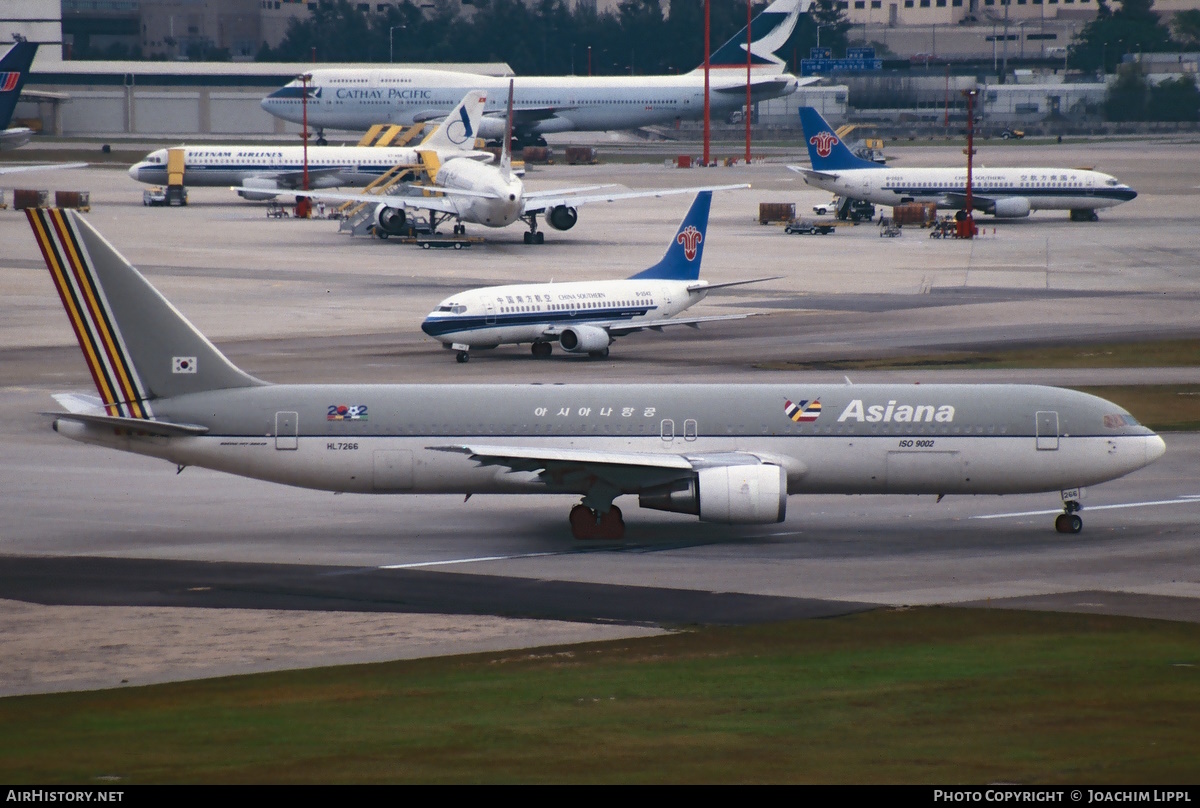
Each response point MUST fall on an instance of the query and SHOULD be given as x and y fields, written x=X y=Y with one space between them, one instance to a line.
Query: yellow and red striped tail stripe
x=83 y=298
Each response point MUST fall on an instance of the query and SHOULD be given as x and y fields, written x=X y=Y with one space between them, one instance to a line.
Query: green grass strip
x=931 y=695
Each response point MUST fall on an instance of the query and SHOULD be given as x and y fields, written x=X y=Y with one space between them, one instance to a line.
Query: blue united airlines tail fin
x=14 y=69
x=138 y=346
x=461 y=127
x=768 y=31
x=825 y=149
x=682 y=260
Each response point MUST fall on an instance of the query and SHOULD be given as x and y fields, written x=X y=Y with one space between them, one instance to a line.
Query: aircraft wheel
x=539 y=238
x=1068 y=523
x=381 y=234
x=611 y=525
x=463 y=357
x=601 y=354
x=529 y=238
x=583 y=522
x=541 y=350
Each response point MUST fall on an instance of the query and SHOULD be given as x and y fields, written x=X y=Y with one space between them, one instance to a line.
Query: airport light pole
x=966 y=227
x=303 y=204
x=749 y=42
x=707 y=109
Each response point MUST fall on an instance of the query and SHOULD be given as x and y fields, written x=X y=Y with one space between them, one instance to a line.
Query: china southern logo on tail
x=690 y=238
x=824 y=141
x=8 y=81
x=460 y=131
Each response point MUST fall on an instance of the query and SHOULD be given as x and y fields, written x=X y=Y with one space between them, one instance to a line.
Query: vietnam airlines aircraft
x=262 y=171
x=351 y=98
x=14 y=69
x=584 y=317
x=476 y=193
x=725 y=453
x=1006 y=193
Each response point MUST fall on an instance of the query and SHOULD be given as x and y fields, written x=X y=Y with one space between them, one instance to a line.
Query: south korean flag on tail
x=183 y=364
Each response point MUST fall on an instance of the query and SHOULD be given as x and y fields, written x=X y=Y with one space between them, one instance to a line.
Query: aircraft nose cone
x=427 y=326
x=1156 y=447
x=133 y=170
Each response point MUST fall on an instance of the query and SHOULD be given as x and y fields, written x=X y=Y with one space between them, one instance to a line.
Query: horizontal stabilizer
x=708 y=286
x=147 y=426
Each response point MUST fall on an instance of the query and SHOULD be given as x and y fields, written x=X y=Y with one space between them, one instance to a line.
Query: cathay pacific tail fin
x=461 y=126
x=768 y=33
x=138 y=346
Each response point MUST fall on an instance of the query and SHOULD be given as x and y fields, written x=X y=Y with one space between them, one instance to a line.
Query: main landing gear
x=588 y=524
x=1069 y=520
x=541 y=350
x=1084 y=215
x=534 y=236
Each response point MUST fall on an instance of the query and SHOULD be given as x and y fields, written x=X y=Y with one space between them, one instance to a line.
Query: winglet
x=826 y=151
x=683 y=256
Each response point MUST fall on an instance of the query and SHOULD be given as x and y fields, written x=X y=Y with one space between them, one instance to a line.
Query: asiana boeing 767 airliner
x=725 y=453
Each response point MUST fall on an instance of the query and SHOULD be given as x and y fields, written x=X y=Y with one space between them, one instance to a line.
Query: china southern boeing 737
x=352 y=98
x=727 y=453
x=262 y=172
x=584 y=317
x=1006 y=193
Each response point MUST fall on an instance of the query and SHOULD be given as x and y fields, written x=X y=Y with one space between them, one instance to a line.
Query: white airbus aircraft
x=262 y=171
x=584 y=317
x=729 y=454
x=476 y=193
x=1005 y=193
x=351 y=98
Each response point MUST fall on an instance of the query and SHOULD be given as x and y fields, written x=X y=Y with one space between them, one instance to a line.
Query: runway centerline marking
x=1187 y=499
x=464 y=560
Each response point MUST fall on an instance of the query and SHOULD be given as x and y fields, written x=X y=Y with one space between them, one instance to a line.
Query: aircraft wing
x=564 y=197
x=294 y=179
x=808 y=172
x=581 y=469
x=441 y=204
x=959 y=201
x=560 y=192
x=622 y=328
x=14 y=168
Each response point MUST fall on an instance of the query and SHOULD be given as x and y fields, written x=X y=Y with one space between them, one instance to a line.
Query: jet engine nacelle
x=1014 y=207
x=491 y=128
x=390 y=220
x=561 y=217
x=259 y=182
x=730 y=495
x=584 y=339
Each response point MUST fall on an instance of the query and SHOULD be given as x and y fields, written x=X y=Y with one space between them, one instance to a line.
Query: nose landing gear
x=1069 y=520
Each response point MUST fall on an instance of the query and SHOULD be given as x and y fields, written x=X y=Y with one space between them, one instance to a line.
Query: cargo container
x=537 y=154
x=25 y=198
x=581 y=155
x=79 y=200
x=921 y=214
x=776 y=212
x=683 y=161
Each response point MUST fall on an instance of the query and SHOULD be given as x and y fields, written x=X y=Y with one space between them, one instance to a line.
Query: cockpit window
x=1111 y=182
x=452 y=308
x=1116 y=421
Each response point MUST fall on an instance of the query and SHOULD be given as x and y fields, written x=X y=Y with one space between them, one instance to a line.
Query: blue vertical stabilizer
x=14 y=69
x=826 y=150
x=682 y=260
